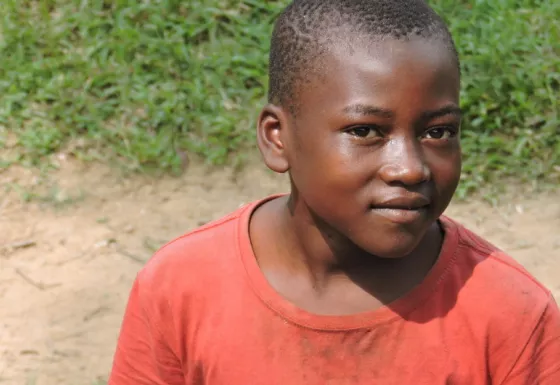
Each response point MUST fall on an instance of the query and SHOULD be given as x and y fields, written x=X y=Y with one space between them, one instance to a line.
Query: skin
x=374 y=158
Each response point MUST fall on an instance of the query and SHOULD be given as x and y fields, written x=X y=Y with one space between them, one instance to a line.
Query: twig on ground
x=95 y=313
x=135 y=258
x=39 y=285
x=11 y=247
x=20 y=245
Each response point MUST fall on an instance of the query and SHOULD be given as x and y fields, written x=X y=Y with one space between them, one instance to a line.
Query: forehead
x=384 y=73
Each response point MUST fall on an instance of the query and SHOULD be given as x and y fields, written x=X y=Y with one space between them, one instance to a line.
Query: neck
x=317 y=250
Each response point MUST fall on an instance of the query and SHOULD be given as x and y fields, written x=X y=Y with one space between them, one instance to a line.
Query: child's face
x=374 y=147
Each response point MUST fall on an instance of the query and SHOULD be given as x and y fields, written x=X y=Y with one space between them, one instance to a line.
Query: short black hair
x=306 y=28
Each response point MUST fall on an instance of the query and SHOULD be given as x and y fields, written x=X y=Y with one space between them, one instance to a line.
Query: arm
x=143 y=356
x=539 y=361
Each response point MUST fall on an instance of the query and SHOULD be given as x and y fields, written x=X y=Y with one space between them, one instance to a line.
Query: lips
x=403 y=203
x=402 y=209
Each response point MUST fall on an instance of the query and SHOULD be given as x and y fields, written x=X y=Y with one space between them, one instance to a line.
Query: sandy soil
x=67 y=259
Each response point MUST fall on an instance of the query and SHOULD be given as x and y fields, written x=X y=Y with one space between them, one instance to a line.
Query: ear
x=272 y=135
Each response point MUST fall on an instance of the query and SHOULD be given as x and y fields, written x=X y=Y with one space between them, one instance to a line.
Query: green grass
x=144 y=82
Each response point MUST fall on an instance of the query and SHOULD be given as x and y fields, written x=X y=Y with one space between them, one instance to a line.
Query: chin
x=391 y=246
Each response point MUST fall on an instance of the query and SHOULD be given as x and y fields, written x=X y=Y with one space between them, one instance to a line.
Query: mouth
x=403 y=210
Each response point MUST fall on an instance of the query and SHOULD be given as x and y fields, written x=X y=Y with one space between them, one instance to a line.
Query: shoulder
x=494 y=289
x=190 y=250
x=509 y=308
x=495 y=271
x=498 y=295
x=191 y=262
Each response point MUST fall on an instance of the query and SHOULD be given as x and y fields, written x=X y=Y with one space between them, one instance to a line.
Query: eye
x=366 y=132
x=440 y=133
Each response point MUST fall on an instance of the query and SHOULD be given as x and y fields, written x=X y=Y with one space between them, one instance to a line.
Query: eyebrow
x=450 y=109
x=369 y=110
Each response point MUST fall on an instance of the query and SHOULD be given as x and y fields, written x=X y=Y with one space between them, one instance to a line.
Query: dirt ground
x=68 y=258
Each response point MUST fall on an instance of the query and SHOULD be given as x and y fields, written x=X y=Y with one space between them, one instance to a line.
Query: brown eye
x=364 y=131
x=439 y=133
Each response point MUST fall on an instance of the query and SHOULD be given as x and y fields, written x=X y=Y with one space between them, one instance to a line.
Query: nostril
x=405 y=173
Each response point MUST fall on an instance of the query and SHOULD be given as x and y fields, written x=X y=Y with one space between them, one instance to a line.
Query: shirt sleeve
x=539 y=361
x=142 y=356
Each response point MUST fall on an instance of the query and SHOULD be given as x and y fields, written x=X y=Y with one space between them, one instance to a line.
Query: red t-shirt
x=202 y=313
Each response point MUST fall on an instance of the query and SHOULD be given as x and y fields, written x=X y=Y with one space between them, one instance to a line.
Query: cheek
x=445 y=165
x=329 y=164
x=345 y=167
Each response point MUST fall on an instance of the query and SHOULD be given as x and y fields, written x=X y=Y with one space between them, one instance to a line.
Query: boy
x=356 y=277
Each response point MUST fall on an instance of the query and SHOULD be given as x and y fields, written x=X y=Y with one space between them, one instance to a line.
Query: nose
x=404 y=163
